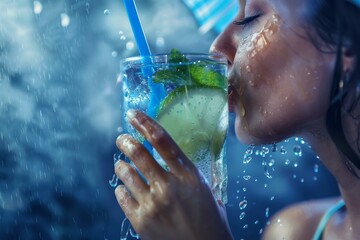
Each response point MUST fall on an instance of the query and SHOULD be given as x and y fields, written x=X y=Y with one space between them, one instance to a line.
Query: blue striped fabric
x=217 y=14
x=213 y=14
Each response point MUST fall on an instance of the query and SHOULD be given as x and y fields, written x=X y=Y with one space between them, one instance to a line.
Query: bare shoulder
x=298 y=221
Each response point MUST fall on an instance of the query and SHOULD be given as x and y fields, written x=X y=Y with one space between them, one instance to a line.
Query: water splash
x=126 y=230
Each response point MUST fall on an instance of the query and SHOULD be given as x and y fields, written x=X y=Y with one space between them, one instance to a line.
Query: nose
x=226 y=44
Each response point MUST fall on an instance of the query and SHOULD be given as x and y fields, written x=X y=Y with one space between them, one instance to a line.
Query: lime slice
x=196 y=118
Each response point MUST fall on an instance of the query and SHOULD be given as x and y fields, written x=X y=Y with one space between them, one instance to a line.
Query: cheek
x=287 y=84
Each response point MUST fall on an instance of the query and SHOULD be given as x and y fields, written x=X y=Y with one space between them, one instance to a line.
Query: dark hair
x=335 y=25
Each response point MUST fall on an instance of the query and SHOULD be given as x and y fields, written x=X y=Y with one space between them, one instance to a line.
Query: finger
x=142 y=159
x=131 y=179
x=127 y=203
x=160 y=140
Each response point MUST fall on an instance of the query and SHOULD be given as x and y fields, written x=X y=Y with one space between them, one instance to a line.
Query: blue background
x=60 y=114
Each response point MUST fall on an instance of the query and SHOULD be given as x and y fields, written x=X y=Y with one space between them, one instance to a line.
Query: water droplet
x=297 y=150
x=256 y=222
x=247 y=159
x=65 y=20
x=114 y=54
x=272 y=198
x=294 y=176
x=242 y=215
x=264 y=151
x=261 y=231
x=106 y=12
x=160 y=41
x=267 y=212
x=248 y=68
x=245 y=226
x=130 y=45
x=287 y=162
x=243 y=204
x=296 y=165
x=247 y=177
x=267 y=174
x=274 y=147
x=37 y=7
x=244 y=189
x=316 y=168
x=271 y=163
x=283 y=150
x=114 y=181
x=122 y=37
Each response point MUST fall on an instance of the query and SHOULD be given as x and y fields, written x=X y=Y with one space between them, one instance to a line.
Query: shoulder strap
x=325 y=219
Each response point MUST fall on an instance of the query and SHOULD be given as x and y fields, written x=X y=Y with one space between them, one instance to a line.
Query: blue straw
x=157 y=92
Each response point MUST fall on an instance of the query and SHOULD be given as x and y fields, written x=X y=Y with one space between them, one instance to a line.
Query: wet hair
x=335 y=23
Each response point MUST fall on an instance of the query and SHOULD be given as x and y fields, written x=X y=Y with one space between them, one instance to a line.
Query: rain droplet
x=243 y=204
x=242 y=215
x=37 y=7
x=106 y=12
x=65 y=20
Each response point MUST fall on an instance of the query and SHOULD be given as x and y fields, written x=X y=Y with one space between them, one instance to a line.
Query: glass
x=187 y=95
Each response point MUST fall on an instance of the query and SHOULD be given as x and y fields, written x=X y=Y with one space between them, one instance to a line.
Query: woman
x=293 y=70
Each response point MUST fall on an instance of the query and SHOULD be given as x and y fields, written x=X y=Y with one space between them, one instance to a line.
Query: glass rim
x=216 y=57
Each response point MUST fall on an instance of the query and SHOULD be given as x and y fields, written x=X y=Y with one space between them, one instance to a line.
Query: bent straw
x=157 y=92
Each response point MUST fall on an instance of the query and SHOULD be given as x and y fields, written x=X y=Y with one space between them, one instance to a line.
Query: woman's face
x=279 y=82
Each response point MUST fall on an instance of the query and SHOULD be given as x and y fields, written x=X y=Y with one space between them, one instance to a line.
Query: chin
x=255 y=135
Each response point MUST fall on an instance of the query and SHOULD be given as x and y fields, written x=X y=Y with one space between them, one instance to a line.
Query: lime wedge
x=196 y=118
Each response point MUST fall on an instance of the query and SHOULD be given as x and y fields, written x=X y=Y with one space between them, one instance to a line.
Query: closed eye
x=246 y=20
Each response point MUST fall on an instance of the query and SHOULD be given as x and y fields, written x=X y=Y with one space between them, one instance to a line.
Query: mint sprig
x=183 y=73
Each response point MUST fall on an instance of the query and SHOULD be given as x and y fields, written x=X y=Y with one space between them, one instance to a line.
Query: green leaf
x=203 y=76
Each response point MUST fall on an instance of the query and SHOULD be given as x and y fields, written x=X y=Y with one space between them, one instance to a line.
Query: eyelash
x=246 y=20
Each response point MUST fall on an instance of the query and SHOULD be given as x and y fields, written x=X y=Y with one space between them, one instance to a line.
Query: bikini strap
x=325 y=219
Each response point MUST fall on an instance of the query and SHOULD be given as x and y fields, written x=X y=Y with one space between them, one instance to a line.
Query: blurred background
x=60 y=114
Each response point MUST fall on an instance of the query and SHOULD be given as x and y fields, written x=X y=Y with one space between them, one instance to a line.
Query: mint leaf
x=202 y=75
x=181 y=72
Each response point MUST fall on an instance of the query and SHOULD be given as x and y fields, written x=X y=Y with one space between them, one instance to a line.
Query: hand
x=174 y=204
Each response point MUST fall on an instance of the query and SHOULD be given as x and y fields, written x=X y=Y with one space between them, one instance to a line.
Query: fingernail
x=130 y=114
